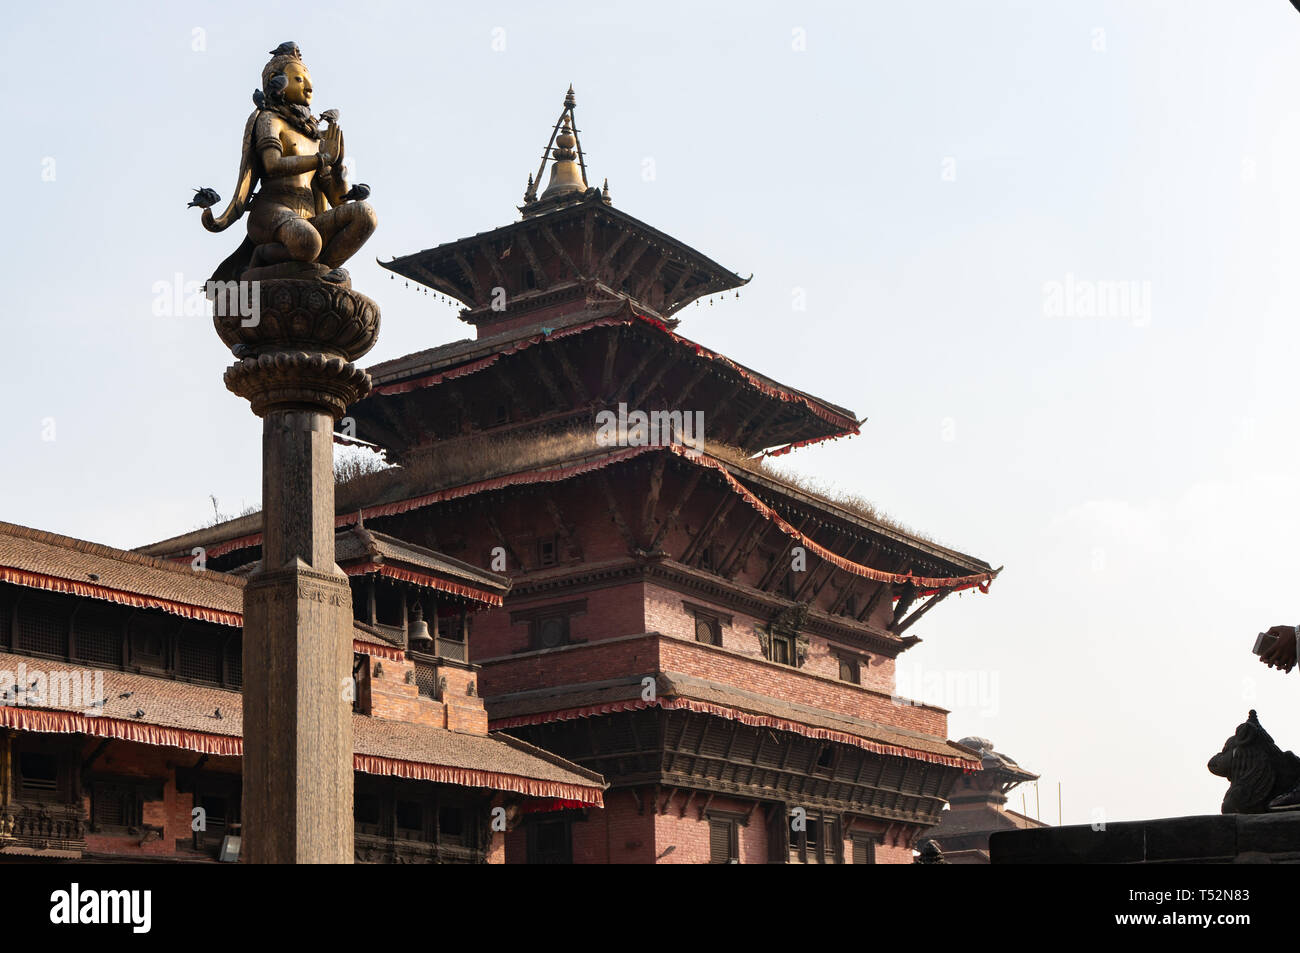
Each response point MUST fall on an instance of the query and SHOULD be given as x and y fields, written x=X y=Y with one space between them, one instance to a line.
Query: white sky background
x=1136 y=477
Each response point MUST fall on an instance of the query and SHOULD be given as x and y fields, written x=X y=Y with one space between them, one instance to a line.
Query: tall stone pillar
x=295 y=369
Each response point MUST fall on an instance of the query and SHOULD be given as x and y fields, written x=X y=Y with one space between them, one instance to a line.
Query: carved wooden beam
x=469 y=273
x=709 y=528
x=679 y=399
x=610 y=252
x=554 y=242
x=500 y=537
x=571 y=373
x=670 y=299
x=648 y=282
x=870 y=607
x=901 y=627
x=682 y=497
x=780 y=563
x=611 y=353
x=544 y=375
x=744 y=541
x=808 y=580
x=567 y=532
x=648 y=354
x=588 y=241
x=652 y=497
x=854 y=582
x=645 y=391
x=543 y=279
x=486 y=251
x=614 y=512
x=904 y=603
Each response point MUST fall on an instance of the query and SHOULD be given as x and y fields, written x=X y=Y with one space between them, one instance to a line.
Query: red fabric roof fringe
x=377 y=650
x=744 y=717
x=62 y=722
x=429 y=582
x=981 y=580
x=486 y=362
x=782 y=451
x=55 y=584
x=468 y=777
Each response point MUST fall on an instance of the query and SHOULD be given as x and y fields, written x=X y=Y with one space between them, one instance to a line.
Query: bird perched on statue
x=259 y=99
x=276 y=84
x=287 y=48
x=358 y=193
x=204 y=198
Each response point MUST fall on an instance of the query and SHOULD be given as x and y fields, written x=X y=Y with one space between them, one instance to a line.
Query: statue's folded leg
x=344 y=229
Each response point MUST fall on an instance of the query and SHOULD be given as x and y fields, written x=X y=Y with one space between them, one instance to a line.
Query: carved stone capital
x=293 y=314
x=287 y=379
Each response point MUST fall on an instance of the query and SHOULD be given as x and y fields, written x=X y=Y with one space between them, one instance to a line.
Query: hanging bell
x=418 y=636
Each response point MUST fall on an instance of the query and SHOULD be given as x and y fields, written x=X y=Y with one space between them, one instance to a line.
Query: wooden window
x=782 y=649
x=360 y=683
x=549 y=626
x=116 y=806
x=503 y=414
x=552 y=631
x=850 y=671
x=234 y=659
x=550 y=842
x=99 y=634
x=707 y=629
x=706 y=559
x=199 y=657
x=864 y=849
x=43 y=622
x=546 y=551
x=366 y=812
x=451 y=825
x=38 y=775
x=818 y=842
x=410 y=819
x=724 y=840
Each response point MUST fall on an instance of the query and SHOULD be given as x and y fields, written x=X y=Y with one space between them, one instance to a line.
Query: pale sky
x=918 y=174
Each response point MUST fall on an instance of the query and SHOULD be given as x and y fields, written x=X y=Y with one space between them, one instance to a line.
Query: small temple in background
x=643 y=643
x=978 y=807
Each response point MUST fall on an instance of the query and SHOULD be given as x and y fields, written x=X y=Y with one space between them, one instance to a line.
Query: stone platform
x=1199 y=839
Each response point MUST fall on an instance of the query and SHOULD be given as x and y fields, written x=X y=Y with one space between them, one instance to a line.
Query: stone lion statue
x=1256 y=768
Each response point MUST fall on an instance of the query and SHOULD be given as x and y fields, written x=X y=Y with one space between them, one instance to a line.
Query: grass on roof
x=361 y=477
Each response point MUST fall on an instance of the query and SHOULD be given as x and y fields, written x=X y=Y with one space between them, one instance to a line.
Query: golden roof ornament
x=568 y=164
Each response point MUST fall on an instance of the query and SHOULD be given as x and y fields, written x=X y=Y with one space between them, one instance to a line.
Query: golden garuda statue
x=304 y=220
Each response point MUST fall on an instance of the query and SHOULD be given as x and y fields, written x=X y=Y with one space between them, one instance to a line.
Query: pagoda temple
x=713 y=639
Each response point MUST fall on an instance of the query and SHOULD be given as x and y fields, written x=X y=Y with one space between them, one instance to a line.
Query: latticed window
x=38 y=775
x=200 y=657
x=426 y=679
x=235 y=664
x=99 y=635
x=6 y=618
x=150 y=642
x=43 y=622
x=707 y=630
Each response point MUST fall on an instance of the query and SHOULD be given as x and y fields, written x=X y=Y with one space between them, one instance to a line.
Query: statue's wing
x=243 y=187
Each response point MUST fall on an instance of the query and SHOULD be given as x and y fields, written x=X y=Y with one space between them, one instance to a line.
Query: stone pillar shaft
x=295 y=371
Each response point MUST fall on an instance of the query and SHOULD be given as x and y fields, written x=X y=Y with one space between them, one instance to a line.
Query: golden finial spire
x=569 y=167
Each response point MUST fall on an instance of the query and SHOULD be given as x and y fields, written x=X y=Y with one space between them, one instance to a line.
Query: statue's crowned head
x=287 y=78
